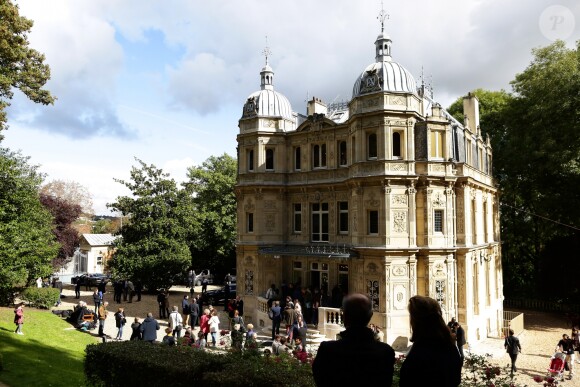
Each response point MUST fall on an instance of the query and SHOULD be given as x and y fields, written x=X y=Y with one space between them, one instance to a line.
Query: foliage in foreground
x=27 y=244
x=49 y=353
x=140 y=363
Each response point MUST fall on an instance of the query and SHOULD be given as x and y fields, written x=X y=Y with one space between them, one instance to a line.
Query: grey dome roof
x=266 y=102
x=384 y=74
x=269 y=103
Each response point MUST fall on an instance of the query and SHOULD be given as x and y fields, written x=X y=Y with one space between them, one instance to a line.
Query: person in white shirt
x=176 y=322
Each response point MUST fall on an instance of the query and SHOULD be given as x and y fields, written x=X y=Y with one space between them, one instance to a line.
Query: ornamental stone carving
x=398 y=100
x=400 y=221
x=372 y=268
x=249 y=206
x=372 y=202
x=438 y=201
x=399 y=271
x=371 y=102
x=400 y=200
x=398 y=167
x=270 y=222
x=269 y=204
x=401 y=299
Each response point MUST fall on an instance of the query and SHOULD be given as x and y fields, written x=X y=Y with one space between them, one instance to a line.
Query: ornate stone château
x=386 y=195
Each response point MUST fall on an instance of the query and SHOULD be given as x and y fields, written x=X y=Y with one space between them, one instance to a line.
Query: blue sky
x=165 y=81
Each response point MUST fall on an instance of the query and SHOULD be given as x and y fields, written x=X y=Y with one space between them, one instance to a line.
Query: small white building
x=94 y=251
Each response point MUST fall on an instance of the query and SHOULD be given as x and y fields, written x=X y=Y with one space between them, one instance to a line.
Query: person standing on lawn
x=102 y=317
x=19 y=318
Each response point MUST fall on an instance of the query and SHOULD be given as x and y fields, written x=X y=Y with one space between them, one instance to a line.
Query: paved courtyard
x=539 y=339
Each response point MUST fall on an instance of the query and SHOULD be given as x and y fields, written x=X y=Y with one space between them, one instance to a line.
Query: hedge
x=141 y=363
x=41 y=297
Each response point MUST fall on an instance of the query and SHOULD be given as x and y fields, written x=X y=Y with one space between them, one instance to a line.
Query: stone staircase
x=313 y=337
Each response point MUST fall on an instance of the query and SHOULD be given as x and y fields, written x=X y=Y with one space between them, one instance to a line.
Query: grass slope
x=49 y=354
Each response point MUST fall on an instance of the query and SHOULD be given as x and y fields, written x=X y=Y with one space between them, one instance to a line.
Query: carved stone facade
x=383 y=197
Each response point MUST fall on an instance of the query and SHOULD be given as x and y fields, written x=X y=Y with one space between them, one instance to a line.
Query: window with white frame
x=342 y=159
x=436 y=146
x=319 y=222
x=297 y=155
x=297 y=218
x=319 y=156
x=343 y=217
x=438 y=220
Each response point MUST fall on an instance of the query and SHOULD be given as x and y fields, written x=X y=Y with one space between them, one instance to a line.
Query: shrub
x=41 y=297
x=1 y=362
x=141 y=363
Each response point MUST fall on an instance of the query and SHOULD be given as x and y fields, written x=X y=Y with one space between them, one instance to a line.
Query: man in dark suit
x=460 y=338
x=357 y=356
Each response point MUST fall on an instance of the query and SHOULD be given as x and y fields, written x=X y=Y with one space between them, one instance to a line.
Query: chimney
x=316 y=106
x=471 y=112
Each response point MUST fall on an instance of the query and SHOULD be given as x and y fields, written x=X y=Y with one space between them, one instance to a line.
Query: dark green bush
x=139 y=363
x=41 y=297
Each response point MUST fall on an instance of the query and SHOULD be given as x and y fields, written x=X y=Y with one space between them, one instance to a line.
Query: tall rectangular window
x=343 y=217
x=319 y=156
x=319 y=222
x=373 y=222
x=250 y=222
x=342 y=153
x=353 y=158
x=372 y=149
x=269 y=159
x=397 y=151
x=438 y=220
x=251 y=160
x=297 y=156
x=297 y=218
x=436 y=146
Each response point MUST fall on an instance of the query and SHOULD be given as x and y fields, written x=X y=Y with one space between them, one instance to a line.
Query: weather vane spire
x=266 y=51
x=382 y=17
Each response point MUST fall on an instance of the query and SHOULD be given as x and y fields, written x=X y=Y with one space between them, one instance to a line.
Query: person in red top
x=204 y=323
x=19 y=318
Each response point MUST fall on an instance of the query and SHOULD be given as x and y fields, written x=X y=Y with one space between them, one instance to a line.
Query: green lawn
x=49 y=353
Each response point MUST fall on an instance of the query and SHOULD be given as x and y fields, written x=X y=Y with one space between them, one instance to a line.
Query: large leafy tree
x=541 y=170
x=27 y=244
x=64 y=214
x=153 y=244
x=21 y=67
x=534 y=135
x=213 y=234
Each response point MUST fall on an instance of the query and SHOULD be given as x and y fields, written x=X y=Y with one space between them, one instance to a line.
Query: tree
x=22 y=67
x=541 y=166
x=534 y=135
x=213 y=235
x=153 y=247
x=64 y=214
x=71 y=191
x=27 y=244
x=106 y=225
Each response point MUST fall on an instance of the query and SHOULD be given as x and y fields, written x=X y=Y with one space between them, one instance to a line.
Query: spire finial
x=382 y=17
x=266 y=51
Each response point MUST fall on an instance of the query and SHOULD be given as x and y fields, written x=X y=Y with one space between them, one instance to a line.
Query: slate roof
x=99 y=239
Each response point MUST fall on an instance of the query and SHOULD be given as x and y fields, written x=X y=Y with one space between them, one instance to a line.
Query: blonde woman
x=214 y=326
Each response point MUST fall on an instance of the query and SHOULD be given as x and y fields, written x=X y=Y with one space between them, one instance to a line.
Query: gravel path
x=541 y=334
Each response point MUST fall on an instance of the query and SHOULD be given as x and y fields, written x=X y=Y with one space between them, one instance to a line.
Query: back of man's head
x=357 y=310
